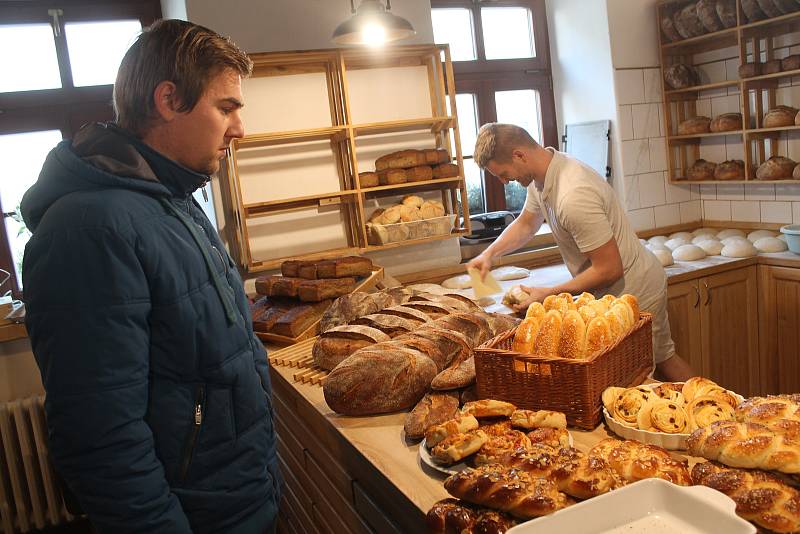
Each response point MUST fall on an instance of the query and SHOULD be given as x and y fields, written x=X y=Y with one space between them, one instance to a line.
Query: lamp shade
x=372 y=24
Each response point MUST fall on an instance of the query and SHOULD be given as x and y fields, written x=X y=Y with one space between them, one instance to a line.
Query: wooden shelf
x=771 y=27
x=286 y=204
x=412 y=185
x=748 y=82
x=432 y=124
x=703 y=43
x=454 y=233
x=686 y=139
x=331 y=133
x=763 y=133
x=699 y=182
x=704 y=87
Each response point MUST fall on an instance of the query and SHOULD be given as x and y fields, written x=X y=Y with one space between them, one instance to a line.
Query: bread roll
x=775 y=168
x=572 y=344
x=712 y=247
x=730 y=170
x=726 y=122
x=688 y=253
x=664 y=257
x=525 y=335
x=412 y=201
x=598 y=336
x=695 y=125
x=549 y=335
x=634 y=461
x=390 y=215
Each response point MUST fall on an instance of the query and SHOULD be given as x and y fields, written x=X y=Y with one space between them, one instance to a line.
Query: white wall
x=631 y=25
x=277 y=25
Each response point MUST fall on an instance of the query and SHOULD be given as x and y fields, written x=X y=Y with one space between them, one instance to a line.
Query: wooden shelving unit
x=342 y=134
x=752 y=40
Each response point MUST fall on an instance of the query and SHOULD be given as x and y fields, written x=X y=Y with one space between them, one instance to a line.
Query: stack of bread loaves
x=575 y=329
x=413 y=218
x=409 y=166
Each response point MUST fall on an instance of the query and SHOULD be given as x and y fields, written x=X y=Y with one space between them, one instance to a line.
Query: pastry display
x=632 y=461
x=413 y=218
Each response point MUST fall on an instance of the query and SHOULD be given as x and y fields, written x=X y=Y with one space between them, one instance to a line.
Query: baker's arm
x=513 y=237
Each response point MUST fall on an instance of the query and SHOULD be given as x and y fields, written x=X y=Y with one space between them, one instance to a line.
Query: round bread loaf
x=668 y=28
x=748 y=70
x=790 y=62
x=726 y=11
x=431 y=209
x=775 y=168
x=711 y=247
x=688 y=253
x=695 y=125
x=701 y=170
x=680 y=76
x=391 y=215
x=796 y=172
x=771 y=67
x=752 y=11
x=730 y=232
x=732 y=169
x=376 y=215
x=664 y=257
x=688 y=23
x=779 y=116
x=409 y=213
x=770 y=244
x=707 y=13
x=726 y=122
x=412 y=200
x=392 y=176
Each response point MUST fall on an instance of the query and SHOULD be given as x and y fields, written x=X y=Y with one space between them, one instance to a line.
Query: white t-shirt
x=584 y=213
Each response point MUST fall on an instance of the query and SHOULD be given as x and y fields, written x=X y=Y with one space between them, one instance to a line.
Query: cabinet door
x=683 y=307
x=779 y=329
x=729 y=319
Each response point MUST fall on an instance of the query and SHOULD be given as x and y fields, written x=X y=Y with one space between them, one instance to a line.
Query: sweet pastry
x=530 y=419
x=488 y=408
x=455 y=448
x=500 y=445
x=703 y=411
x=459 y=424
x=451 y=515
x=661 y=415
x=551 y=437
x=628 y=403
x=434 y=409
x=609 y=396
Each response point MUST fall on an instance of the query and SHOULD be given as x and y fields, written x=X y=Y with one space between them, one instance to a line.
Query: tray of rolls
x=665 y=414
x=413 y=218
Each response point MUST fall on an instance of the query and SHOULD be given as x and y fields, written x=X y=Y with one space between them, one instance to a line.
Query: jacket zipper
x=198 y=422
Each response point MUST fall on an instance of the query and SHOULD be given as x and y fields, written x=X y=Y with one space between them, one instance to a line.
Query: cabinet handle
x=708 y=294
x=697 y=294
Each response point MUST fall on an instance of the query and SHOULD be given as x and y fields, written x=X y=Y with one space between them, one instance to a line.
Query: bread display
x=414 y=218
x=701 y=170
x=759 y=496
x=368 y=179
x=695 y=125
x=729 y=170
x=726 y=122
x=338 y=343
x=557 y=328
x=775 y=168
x=680 y=76
x=632 y=461
x=298 y=319
x=779 y=116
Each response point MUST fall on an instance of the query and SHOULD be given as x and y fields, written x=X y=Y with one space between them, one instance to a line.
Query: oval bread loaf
x=775 y=168
x=726 y=122
x=695 y=125
x=779 y=116
x=701 y=170
x=730 y=170
x=681 y=76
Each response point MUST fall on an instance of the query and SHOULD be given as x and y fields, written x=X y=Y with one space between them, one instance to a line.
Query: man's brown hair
x=496 y=141
x=186 y=54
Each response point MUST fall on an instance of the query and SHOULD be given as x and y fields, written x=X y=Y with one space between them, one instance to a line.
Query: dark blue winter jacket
x=158 y=393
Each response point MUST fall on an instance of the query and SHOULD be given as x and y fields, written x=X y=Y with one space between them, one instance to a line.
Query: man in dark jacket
x=158 y=393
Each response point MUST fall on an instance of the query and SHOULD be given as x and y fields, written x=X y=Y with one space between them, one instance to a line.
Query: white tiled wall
x=650 y=199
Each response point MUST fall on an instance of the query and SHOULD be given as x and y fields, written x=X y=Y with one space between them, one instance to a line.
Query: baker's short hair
x=496 y=141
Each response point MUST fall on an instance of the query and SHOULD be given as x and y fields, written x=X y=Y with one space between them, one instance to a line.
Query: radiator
x=30 y=499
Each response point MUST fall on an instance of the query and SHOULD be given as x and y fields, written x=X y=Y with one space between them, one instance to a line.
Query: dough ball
x=729 y=233
x=734 y=239
x=659 y=239
x=413 y=201
x=462 y=281
x=739 y=249
x=782 y=237
x=682 y=235
x=758 y=234
x=657 y=246
x=676 y=242
x=510 y=273
x=712 y=247
x=485 y=301
x=770 y=244
x=688 y=253
x=664 y=257
x=704 y=231
x=436 y=289
x=703 y=237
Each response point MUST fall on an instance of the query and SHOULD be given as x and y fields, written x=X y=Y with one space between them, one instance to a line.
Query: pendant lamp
x=372 y=24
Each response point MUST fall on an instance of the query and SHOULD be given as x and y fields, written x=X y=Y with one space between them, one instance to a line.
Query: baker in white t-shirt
x=592 y=231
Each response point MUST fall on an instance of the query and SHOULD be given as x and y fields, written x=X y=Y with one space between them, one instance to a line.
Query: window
x=59 y=76
x=501 y=61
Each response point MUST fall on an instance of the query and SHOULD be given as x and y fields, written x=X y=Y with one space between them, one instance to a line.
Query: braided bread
x=748 y=445
x=634 y=461
x=529 y=419
x=510 y=490
x=552 y=437
x=779 y=412
x=452 y=515
x=498 y=446
x=759 y=497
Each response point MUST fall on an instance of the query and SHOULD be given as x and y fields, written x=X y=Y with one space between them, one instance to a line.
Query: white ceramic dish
x=425 y=457
x=651 y=506
x=672 y=442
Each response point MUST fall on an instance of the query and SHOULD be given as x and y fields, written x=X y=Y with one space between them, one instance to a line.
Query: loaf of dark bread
x=298 y=319
x=390 y=325
x=748 y=70
x=779 y=116
x=277 y=286
x=402 y=159
x=325 y=288
x=350 y=307
x=726 y=11
x=707 y=13
x=680 y=76
x=338 y=343
x=433 y=409
x=687 y=22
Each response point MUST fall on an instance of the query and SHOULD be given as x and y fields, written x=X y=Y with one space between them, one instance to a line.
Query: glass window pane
x=467 y=122
x=28 y=60
x=475 y=194
x=453 y=26
x=24 y=156
x=515 y=196
x=507 y=32
x=521 y=107
x=96 y=49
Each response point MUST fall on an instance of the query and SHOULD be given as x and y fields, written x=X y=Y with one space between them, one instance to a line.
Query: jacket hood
x=103 y=156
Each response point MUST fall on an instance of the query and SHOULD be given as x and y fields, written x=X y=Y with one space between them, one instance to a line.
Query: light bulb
x=374 y=34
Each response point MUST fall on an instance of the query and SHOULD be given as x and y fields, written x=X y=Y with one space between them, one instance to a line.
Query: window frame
x=483 y=77
x=66 y=108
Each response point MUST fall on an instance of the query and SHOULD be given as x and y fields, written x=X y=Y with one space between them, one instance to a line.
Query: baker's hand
x=482 y=262
x=535 y=294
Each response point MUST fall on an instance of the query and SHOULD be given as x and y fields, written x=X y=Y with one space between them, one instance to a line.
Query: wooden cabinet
x=717 y=87
x=714 y=321
x=779 y=329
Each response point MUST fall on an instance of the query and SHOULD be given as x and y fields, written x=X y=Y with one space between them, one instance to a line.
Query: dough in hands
x=664 y=257
x=758 y=234
x=659 y=239
x=461 y=281
x=688 y=253
x=712 y=247
x=682 y=235
x=676 y=242
x=510 y=273
x=730 y=232
x=739 y=249
x=770 y=244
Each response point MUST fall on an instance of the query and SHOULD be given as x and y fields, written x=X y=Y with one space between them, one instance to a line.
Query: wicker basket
x=570 y=386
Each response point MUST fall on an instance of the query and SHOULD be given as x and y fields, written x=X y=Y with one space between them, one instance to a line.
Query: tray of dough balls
x=413 y=218
x=666 y=413
x=485 y=430
x=709 y=243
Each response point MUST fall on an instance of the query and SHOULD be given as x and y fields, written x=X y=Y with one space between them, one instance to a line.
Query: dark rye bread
x=373 y=382
x=298 y=319
x=340 y=342
x=407 y=313
x=390 y=325
x=433 y=409
x=472 y=325
x=326 y=288
x=347 y=308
